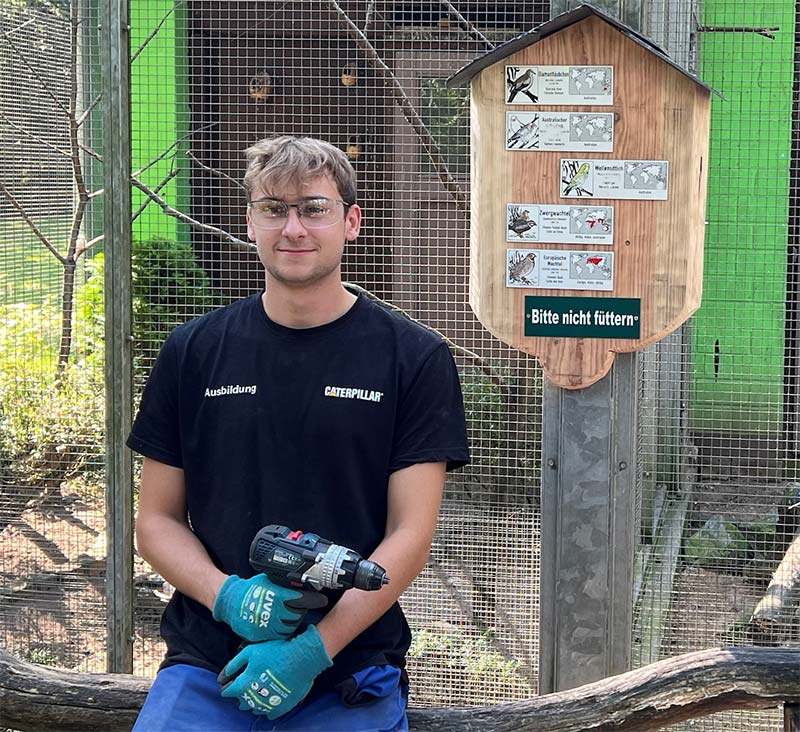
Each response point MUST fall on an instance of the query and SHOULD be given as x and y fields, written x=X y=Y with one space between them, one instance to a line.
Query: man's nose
x=294 y=225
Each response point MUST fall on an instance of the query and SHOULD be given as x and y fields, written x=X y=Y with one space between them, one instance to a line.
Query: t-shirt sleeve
x=430 y=424
x=155 y=432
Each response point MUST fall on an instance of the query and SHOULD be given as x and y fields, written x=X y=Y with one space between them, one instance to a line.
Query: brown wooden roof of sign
x=558 y=23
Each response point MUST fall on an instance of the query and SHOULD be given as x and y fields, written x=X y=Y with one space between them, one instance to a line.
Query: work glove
x=271 y=678
x=259 y=610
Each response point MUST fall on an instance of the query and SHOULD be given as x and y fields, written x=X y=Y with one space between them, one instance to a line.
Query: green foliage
x=715 y=541
x=51 y=432
x=42 y=655
x=169 y=288
x=483 y=407
x=465 y=661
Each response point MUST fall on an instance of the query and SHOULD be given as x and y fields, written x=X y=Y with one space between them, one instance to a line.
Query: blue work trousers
x=187 y=699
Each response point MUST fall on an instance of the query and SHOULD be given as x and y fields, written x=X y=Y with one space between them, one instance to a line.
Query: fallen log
x=773 y=617
x=34 y=698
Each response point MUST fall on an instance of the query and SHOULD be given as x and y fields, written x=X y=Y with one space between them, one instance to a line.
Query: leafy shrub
x=455 y=663
x=169 y=288
x=51 y=431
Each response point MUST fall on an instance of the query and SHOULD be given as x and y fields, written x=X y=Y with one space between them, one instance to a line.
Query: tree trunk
x=33 y=698
x=67 y=309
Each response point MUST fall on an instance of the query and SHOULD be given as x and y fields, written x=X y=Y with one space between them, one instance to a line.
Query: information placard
x=558 y=269
x=582 y=317
x=567 y=131
x=620 y=179
x=559 y=85
x=559 y=224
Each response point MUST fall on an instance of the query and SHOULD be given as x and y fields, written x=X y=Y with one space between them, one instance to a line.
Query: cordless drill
x=307 y=561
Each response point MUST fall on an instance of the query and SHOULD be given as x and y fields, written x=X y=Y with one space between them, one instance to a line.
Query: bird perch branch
x=407 y=108
x=34 y=697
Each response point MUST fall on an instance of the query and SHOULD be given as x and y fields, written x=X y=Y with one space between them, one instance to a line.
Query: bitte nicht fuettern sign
x=588 y=180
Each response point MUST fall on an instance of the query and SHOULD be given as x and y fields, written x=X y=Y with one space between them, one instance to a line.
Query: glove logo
x=274 y=700
x=266 y=609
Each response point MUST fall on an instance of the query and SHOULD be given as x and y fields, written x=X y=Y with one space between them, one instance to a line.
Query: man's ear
x=352 y=222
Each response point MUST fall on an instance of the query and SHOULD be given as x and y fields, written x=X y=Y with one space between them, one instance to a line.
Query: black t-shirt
x=300 y=427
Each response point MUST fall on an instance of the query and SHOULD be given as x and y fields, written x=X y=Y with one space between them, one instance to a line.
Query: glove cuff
x=313 y=650
x=220 y=609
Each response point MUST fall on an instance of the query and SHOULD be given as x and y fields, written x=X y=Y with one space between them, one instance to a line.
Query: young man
x=304 y=406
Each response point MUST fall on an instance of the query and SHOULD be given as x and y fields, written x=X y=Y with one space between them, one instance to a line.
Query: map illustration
x=593 y=265
x=590 y=79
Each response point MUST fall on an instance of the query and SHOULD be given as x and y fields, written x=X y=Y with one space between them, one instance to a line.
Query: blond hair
x=283 y=161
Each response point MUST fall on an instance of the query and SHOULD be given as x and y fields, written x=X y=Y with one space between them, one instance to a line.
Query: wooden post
x=115 y=54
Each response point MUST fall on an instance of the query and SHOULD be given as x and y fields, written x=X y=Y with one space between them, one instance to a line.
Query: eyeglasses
x=314 y=213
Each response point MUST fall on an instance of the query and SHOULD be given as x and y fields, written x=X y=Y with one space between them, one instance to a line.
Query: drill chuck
x=295 y=559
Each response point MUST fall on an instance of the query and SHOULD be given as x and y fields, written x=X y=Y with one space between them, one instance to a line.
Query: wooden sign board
x=587 y=218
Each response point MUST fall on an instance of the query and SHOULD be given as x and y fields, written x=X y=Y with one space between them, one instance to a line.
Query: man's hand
x=271 y=678
x=259 y=610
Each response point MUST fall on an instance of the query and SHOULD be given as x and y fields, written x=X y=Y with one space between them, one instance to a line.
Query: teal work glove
x=271 y=678
x=259 y=610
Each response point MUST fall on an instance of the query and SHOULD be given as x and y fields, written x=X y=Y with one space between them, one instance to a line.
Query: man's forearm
x=403 y=556
x=171 y=548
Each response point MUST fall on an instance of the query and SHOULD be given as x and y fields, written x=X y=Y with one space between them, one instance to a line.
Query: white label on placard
x=560 y=85
x=559 y=224
x=620 y=179
x=567 y=131
x=551 y=269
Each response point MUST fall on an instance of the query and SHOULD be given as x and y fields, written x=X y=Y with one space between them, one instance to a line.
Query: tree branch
x=407 y=108
x=173 y=146
x=214 y=171
x=27 y=219
x=34 y=697
x=155 y=31
x=90 y=152
x=82 y=249
x=157 y=189
x=33 y=137
x=470 y=355
x=45 y=86
x=466 y=25
x=86 y=112
x=74 y=138
x=170 y=211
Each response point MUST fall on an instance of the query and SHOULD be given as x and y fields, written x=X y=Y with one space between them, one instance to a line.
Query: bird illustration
x=520 y=270
x=577 y=180
x=519 y=221
x=527 y=135
x=522 y=85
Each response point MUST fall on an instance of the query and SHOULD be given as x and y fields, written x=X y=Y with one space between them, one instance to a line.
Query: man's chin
x=297 y=279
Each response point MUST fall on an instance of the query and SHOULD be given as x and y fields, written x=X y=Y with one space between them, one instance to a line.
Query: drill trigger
x=310 y=600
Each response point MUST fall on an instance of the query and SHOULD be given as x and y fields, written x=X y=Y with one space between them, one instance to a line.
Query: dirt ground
x=52 y=588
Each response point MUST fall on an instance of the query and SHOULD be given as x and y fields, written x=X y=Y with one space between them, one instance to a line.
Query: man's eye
x=272 y=210
x=314 y=209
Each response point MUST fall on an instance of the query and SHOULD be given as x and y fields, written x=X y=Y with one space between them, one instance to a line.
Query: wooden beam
x=34 y=697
